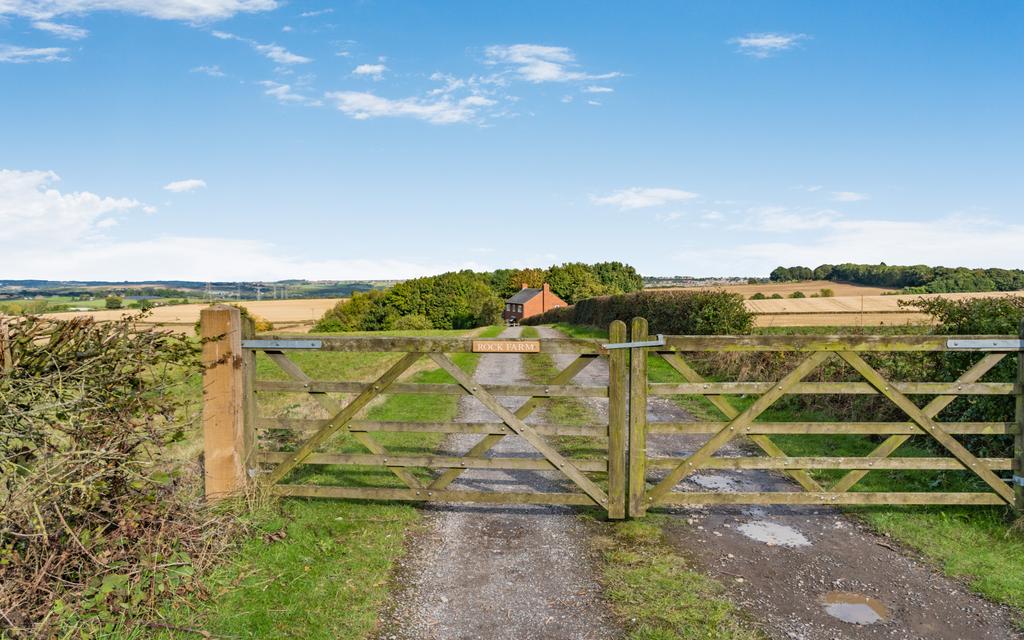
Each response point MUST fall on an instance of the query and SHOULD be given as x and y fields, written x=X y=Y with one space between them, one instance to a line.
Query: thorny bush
x=96 y=529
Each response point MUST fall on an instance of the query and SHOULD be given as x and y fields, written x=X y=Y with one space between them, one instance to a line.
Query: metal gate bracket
x=987 y=345
x=282 y=344
x=660 y=342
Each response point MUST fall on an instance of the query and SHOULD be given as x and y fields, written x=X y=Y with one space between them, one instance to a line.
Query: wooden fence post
x=638 y=420
x=618 y=431
x=1018 y=438
x=6 y=353
x=227 y=432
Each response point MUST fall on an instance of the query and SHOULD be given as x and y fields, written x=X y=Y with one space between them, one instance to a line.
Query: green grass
x=321 y=568
x=655 y=591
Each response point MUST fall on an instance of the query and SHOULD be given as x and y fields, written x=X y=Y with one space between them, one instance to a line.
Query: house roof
x=523 y=295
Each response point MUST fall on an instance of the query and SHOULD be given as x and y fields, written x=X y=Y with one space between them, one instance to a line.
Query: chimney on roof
x=546 y=287
x=526 y=286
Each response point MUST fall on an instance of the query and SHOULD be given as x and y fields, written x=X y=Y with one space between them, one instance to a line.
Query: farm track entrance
x=243 y=444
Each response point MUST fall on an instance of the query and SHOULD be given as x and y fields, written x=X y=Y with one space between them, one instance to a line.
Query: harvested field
x=806 y=287
x=865 y=310
x=294 y=315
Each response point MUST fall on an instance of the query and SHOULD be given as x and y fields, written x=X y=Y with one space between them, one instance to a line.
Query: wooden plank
x=423 y=495
x=522 y=412
x=618 y=428
x=433 y=461
x=524 y=431
x=306 y=424
x=225 y=453
x=818 y=343
x=849 y=498
x=929 y=426
x=638 y=420
x=828 y=462
x=736 y=426
x=931 y=410
x=837 y=428
x=530 y=390
x=383 y=344
x=851 y=388
x=730 y=412
x=339 y=421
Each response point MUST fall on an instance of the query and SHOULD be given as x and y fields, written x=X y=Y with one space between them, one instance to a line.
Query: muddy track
x=499 y=572
x=780 y=562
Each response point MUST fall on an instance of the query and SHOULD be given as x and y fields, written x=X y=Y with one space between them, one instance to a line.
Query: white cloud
x=596 y=89
x=363 y=106
x=849 y=196
x=311 y=14
x=375 y=71
x=280 y=55
x=184 y=186
x=272 y=51
x=643 y=197
x=20 y=55
x=66 y=31
x=777 y=219
x=284 y=94
x=186 y=10
x=963 y=241
x=594 y=103
x=540 y=63
x=210 y=70
x=765 y=45
x=33 y=211
x=287 y=29
x=566 y=99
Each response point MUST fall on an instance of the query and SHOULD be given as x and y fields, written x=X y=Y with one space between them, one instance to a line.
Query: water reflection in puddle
x=772 y=533
x=854 y=608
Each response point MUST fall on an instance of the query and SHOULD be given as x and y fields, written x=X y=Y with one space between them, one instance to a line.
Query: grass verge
x=320 y=568
x=655 y=591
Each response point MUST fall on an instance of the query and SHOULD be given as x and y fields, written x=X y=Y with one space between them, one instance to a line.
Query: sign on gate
x=506 y=346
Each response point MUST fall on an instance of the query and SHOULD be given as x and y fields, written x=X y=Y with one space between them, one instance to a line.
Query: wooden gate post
x=638 y=420
x=618 y=430
x=1018 y=438
x=6 y=352
x=227 y=427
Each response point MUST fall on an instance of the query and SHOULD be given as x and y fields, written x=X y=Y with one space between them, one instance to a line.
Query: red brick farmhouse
x=530 y=302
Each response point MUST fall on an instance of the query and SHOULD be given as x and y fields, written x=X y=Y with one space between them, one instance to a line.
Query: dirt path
x=779 y=562
x=497 y=572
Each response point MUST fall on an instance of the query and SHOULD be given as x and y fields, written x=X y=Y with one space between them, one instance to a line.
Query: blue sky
x=259 y=139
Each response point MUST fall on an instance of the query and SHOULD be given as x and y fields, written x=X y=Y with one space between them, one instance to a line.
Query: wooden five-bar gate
x=243 y=446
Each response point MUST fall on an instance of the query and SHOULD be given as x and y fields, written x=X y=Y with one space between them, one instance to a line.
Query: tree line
x=467 y=299
x=917 y=278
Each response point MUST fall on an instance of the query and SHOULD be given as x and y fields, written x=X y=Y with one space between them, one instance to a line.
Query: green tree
x=574 y=281
x=114 y=302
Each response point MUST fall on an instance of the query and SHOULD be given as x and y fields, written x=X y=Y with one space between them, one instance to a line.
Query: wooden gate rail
x=648 y=490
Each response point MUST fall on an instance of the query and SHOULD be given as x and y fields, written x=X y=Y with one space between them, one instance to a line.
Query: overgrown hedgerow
x=696 y=312
x=96 y=531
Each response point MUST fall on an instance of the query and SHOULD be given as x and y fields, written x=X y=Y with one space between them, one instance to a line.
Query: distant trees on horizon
x=911 y=278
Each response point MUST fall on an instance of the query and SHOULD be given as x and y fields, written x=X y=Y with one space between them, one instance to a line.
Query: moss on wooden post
x=638 y=420
x=618 y=431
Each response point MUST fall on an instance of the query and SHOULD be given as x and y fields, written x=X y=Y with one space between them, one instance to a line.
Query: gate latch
x=660 y=342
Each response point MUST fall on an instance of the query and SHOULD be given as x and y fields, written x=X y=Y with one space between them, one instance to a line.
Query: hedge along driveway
x=321 y=568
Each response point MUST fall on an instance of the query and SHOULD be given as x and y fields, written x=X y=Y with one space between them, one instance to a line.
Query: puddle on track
x=854 y=608
x=714 y=483
x=772 y=533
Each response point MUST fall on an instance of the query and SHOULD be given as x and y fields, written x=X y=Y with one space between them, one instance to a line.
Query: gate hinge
x=660 y=342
